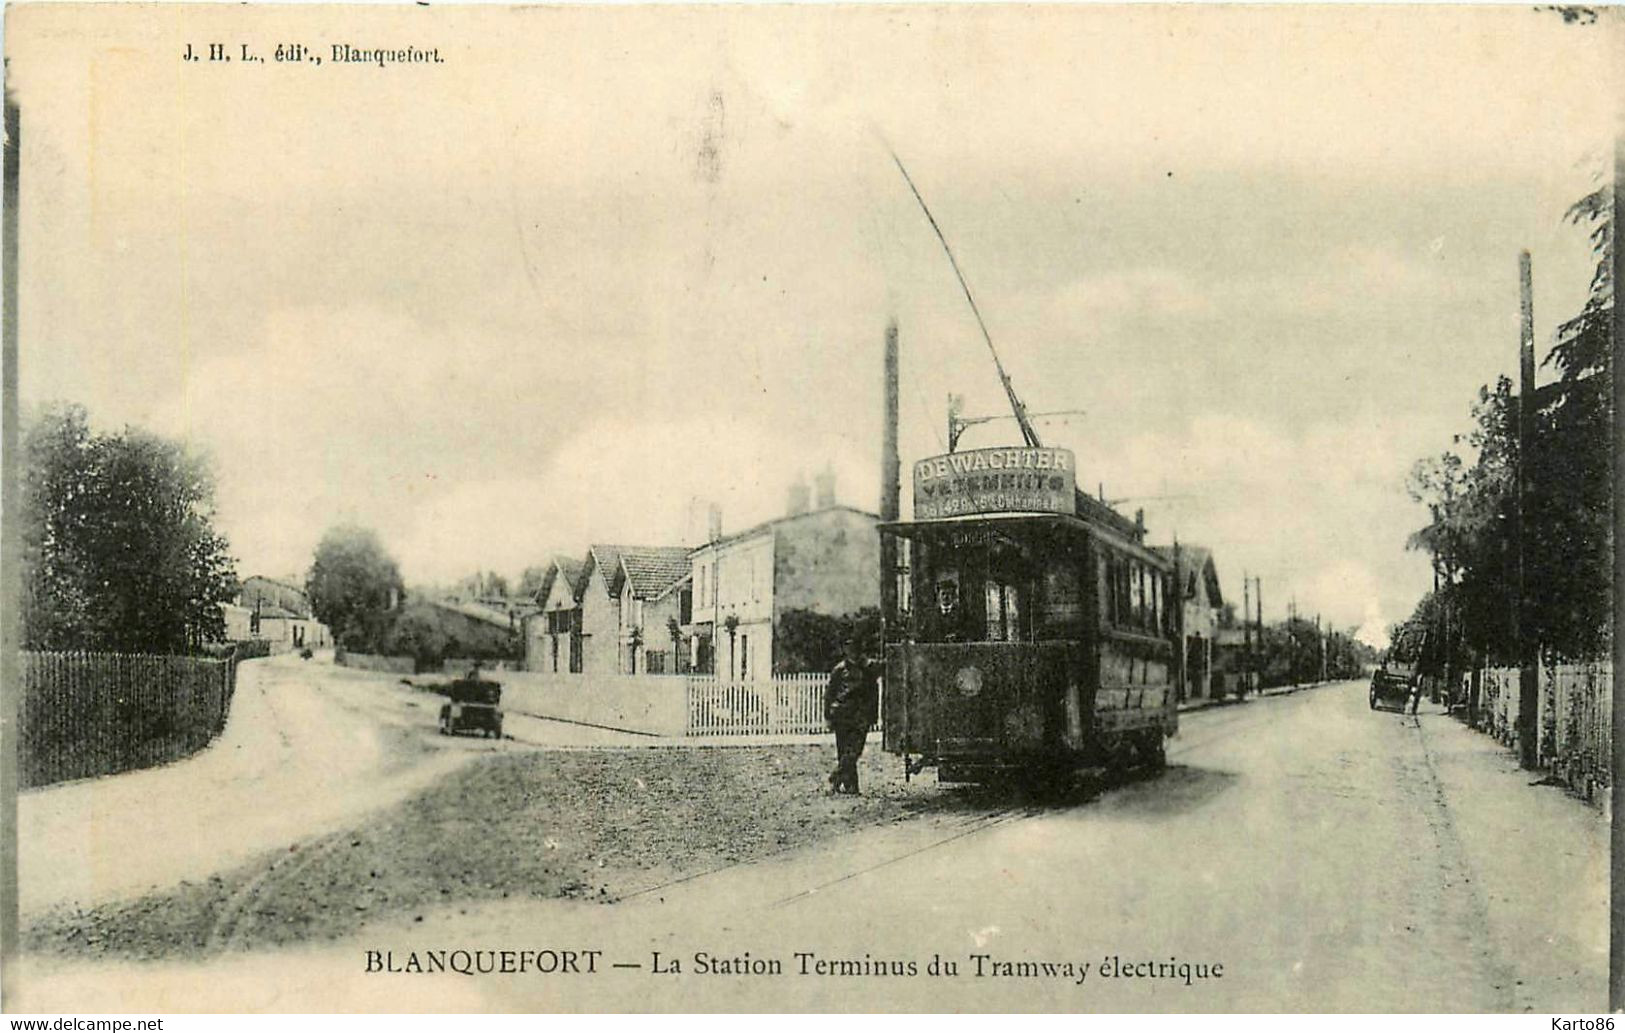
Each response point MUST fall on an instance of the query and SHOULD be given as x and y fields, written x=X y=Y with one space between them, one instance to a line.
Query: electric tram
x=1038 y=640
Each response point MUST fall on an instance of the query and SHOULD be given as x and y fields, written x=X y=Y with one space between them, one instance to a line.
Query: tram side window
x=1137 y=591
x=1058 y=607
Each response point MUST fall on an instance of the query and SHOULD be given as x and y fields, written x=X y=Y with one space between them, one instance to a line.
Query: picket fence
x=786 y=704
x=87 y=714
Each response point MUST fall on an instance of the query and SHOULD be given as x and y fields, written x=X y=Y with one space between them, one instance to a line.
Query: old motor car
x=472 y=707
x=1393 y=682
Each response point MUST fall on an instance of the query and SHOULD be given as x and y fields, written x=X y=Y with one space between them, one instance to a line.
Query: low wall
x=1574 y=724
x=459 y=665
x=373 y=662
x=649 y=703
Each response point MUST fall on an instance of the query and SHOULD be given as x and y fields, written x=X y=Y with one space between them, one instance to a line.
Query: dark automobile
x=472 y=708
x=1400 y=673
x=1391 y=686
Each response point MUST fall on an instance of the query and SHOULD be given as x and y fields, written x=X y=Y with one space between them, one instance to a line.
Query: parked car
x=473 y=706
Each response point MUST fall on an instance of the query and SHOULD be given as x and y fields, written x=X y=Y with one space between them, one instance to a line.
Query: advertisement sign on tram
x=995 y=480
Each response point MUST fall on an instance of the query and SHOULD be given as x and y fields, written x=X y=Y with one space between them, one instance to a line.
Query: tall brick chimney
x=713 y=522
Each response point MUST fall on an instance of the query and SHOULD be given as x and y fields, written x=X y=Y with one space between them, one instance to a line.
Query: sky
x=601 y=268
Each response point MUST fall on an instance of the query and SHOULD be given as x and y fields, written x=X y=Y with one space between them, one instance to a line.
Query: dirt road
x=308 y=748
x=1302 y=854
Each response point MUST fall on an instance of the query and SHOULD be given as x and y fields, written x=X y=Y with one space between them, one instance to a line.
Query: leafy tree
x=1587 y=349
x=417 y=635
x=354 y=585
x=530 y=581
x=119 y=549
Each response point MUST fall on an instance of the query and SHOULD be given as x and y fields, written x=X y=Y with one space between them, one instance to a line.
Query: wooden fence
x=788 y=704
x=87 y=714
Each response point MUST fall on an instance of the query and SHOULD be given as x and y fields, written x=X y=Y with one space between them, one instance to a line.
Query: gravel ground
x=585 y=825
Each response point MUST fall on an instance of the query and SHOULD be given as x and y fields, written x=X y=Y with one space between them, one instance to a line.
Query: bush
x=807 y=641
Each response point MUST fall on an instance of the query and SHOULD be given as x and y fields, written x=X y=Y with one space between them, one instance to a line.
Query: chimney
x=800 y=498
x=824 y=484
x=713 y=522
x=1139 y=519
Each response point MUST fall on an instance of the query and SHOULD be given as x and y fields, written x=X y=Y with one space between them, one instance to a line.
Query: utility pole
x=1528 y=683
x=1258 y=602
x=1178 y=601
x=1246 y=632
x=1320 y=636
x=891 y=488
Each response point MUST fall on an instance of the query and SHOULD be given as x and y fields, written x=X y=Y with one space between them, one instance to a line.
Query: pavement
x=1301 y=853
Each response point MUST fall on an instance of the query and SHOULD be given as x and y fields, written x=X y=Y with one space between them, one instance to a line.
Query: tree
x=678 y=661
x=417 y=635
x=354 y=585
x=119 y=549
x=530 y=582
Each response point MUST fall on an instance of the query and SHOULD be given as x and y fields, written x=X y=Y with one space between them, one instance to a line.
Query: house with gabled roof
x=553 y=633
x=1196 y=583
x=631 y=595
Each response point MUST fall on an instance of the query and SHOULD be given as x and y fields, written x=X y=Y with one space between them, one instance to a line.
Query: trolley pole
x=1528 y=684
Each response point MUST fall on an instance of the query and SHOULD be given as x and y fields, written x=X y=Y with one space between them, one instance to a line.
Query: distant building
x=474 y=630
x=258 y=590
x=629 y=596
x=1235 y=652
x=1196 y=582
x=278 y=612
x=824 y=560
x=553 y=630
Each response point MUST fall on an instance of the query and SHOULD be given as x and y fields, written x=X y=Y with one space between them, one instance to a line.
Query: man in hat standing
x=851 y=704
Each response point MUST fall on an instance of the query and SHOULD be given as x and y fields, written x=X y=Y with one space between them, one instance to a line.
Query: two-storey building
x=631 y=597
x=823 y=561
x=553 y=632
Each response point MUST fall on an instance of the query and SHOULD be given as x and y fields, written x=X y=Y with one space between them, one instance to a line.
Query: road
x=309 y=746
x=1302 y=853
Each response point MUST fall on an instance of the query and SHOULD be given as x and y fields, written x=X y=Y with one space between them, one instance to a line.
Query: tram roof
x=1027 y=521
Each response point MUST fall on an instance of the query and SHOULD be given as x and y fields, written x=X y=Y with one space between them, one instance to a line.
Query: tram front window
x=1003 y=612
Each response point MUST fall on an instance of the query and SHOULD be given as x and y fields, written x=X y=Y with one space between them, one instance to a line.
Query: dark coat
x=853 y=697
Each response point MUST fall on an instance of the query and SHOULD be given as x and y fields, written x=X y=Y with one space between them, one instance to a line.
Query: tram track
x=1216 y=730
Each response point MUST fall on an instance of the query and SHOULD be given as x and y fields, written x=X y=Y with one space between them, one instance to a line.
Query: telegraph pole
x=891 y=488
x=1528 y=684
x=1320 y=636
x=1258 y=602
x=1246 y=631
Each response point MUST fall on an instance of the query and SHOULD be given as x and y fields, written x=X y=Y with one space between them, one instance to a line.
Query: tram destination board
x=995 y=480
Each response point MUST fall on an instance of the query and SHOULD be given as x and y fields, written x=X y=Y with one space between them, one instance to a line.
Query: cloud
x=620 y=481
x=1317 y=511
